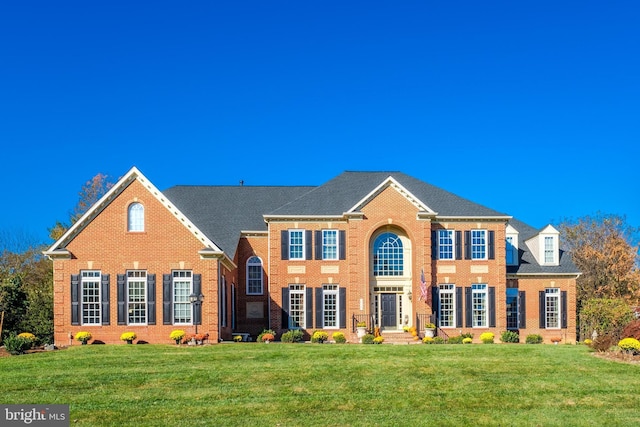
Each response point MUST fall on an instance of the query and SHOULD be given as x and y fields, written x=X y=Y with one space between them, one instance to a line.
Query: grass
x=327 y=385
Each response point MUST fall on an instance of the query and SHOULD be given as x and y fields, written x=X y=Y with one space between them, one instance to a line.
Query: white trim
x=391 y=182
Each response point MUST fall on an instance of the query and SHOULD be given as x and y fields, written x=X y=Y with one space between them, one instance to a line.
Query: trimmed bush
x=438 y=340
x=15 y=344
x=534 y=339
x=487 y=337
x=368 y=339
x=467 y=340
x=456 y=340
x=319 y=337
x=292 y=336
x=510 y=336
x=339 y=338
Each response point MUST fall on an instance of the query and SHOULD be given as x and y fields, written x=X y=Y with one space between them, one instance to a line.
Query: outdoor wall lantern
x=196 y=302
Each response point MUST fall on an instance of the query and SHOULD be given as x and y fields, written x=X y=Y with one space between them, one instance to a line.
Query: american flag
x=424 y=294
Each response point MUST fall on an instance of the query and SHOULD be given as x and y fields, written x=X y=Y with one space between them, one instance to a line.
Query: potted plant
x=361 y=329
x=128 y=337
x=267 y=338
x=177 y=335
x=430 y=330
x=555 y=340
x=83 y=337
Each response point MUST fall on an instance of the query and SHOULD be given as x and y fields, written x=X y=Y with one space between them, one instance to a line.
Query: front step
x=399 y=338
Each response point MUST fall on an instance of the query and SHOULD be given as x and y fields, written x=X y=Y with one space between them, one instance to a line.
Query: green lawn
x=327 y=385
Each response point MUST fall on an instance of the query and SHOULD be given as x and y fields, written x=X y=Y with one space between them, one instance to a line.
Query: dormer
x=511 y=245
x=545 y=246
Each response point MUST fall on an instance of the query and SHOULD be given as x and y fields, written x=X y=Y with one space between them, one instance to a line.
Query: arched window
x=254 y=276
x=135 y=217
x=388 y=255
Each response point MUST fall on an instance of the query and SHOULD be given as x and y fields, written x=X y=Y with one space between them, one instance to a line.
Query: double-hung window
x=330 y=307
x=478 y=244
x=447 y=300
x=137 y=297
x=90 y=284
x=445 y=244
x=296 y=244
x=296 y=306
x=182 y=288
x=552 y=308
x=549 y=250
x=254 y=276
x=479 y=302
x=330 y=244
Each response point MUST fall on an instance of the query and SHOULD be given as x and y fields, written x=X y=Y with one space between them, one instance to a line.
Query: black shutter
x=75 y=299
x=105 y=299
x=308 y=244
x=309 y=302
x=319 y=307
x=458 y=244
x=284 y=247
x=542 y=309
x=435 y=304
x=434 y=244
x=492 y=248
x=522 y=306
x=197 y=309
x=468 y=308
x=343 y=244
x=342 y=295
x=122 y=304
x=285 y=308
x=492 y=306
x=167 y=296
x=563 y=305
x=318 y=244
x=151 y=299
x=467 y=244
x=458 y=307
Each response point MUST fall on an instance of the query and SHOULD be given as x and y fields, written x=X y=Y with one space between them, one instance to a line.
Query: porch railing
x=423 y=319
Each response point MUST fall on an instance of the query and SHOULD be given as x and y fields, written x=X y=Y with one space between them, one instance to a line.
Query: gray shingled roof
x=341 y=193
x=222 y=212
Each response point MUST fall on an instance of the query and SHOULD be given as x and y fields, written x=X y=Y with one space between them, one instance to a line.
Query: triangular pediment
x=391 y=182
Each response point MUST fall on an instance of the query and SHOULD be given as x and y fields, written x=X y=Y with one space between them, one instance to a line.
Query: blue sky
x=530 y=108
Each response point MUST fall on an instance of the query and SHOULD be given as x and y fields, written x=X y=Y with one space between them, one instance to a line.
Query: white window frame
x=255 y=276
x=136 y=303
x=330 y=244
x=330 y=291
x=185 y=279
x=549 y=250
x=480 y=305
x=446 y=240
x=296 y=250
x=135 y=217
x=447 y=313
x=552 y=308
x=511 y=250
x=388 y=255
x=297 y=306
x=223 y=302
x=91 y=297
x=479 y=244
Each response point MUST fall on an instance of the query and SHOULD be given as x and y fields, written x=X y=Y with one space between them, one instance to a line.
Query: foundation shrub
x=510 y=337
x=339 y=338
x=319 y=337
x=15 y=344
x=368 y=339
x=292 y=336
x=456 y=340
x=534 y=339
x=467 y=340
x=603 y=343
x=630 y=345
x=487 y=337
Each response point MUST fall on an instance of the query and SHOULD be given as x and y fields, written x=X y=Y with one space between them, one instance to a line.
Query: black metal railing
x=423 y=319
x=366 y=318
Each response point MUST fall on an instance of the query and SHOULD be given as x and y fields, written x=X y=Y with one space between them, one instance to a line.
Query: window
x=552 y=308
x=296 y=306
x=223 y=302
x=136 y=217
x=447 y=306
x=137 y=297
x=329 y=244
x=296 y=244
x=388 y=255
x=330 y=306
x=445 y=244
x=478 y=244
x=512 y=251
x=479 y=305
x=254 y=276
x=513 y=314
x=549 y=250
x=90 y=282
x=182 y=286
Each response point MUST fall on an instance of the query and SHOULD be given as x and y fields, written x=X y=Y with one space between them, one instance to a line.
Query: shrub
x=632 y=330
x=427 y=340
x=603 y=343
x=438 y=340
x=510 y=336
x=83 y=336
x=368 y=339
x=487 y=337
x=319 y=337
x=534 y=339
x=177 y=335
x=467 y=335
x=294 y=335
x=630 y=345
x=455 y=340
x=29 y=336
x=339 y=338
x=128 y=336
x=588 y=341
x=607 y=316
x=378 y=340
x=467 y=340
x=15 y=344
x=265 y=331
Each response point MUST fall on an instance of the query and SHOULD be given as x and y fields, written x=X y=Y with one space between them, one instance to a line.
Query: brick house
x=379 y=247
